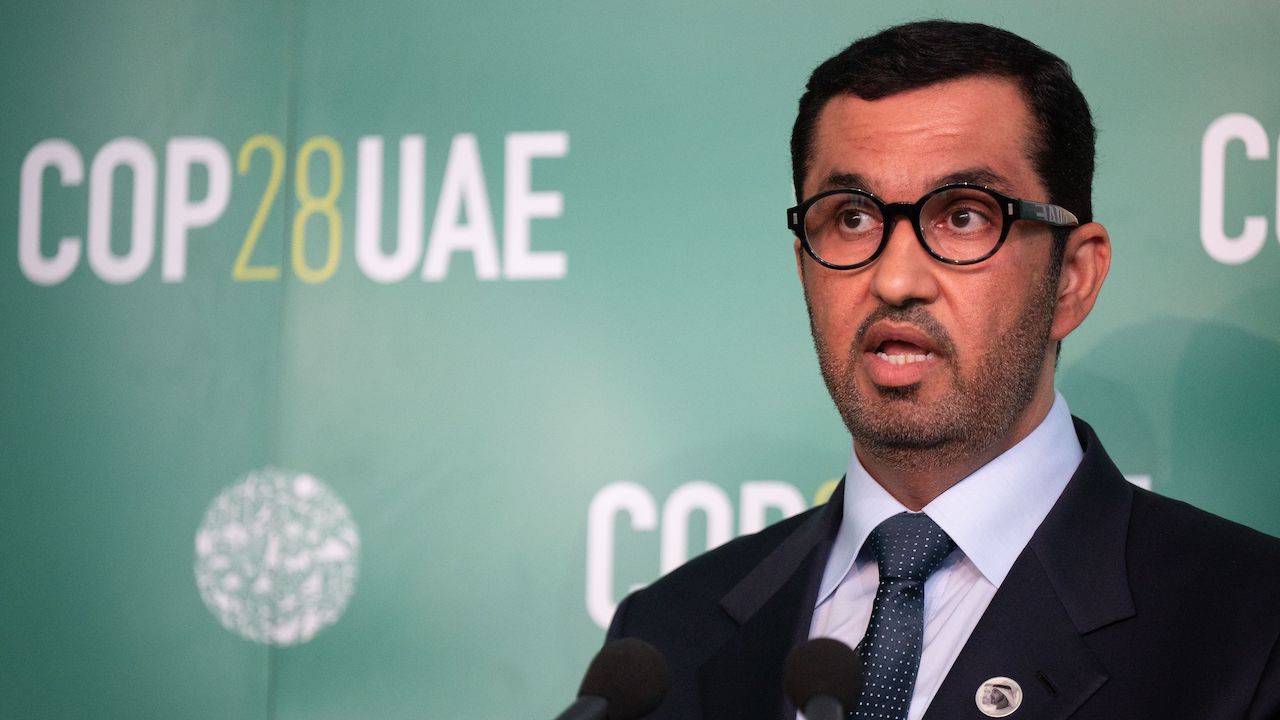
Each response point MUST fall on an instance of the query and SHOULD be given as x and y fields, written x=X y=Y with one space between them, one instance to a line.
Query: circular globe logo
x=276 y=557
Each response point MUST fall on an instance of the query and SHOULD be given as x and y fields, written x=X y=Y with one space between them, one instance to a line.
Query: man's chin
x=898 y=421
x=903 y=439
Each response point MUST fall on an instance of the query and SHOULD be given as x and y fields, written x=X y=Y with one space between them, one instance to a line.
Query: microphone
x=625 y=681
x=823 y=678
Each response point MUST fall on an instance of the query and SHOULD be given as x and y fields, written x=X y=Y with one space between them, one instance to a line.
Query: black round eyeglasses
x=958 y=224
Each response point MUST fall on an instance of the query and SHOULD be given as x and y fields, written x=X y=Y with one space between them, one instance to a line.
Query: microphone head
x=630 y=675
x=823 y=666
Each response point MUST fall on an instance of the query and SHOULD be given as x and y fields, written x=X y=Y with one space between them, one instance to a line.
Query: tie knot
x=909 y=546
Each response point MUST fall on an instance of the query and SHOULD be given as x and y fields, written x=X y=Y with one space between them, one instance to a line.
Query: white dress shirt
x=990 y=515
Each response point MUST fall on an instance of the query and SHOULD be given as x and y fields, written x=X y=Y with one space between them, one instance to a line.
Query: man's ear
x=1085 y=263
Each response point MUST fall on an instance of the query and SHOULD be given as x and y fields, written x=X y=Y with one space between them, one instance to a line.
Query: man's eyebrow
x=975 y=175
x=844 y=180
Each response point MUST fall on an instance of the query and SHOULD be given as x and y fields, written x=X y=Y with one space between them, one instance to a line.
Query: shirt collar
x=991 y=514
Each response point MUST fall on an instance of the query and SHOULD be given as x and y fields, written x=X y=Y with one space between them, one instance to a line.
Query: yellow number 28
x=310 y=204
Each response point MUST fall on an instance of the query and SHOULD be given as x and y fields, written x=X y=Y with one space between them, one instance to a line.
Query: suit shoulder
x=1169 y=532
x=1187 y=527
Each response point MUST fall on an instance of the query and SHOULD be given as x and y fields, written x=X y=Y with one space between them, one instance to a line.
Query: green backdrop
x=405 y=338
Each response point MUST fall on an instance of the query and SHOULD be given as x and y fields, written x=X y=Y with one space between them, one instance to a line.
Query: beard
x=978 y=412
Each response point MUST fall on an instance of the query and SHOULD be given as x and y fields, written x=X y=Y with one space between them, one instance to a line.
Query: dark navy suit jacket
x=1125 y=605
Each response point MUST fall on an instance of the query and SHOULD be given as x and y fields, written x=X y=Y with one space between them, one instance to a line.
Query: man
x=998 y=697
x=946 y=247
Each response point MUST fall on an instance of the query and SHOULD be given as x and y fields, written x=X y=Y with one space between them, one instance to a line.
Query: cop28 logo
x=1243 y=247
x=199 y=188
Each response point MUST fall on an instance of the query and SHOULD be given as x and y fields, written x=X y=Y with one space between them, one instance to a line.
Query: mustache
x=908 y=315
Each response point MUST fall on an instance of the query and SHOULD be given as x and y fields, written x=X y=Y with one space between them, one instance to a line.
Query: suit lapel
x=1069 y=581
x=1027 y=636
x=772 y=607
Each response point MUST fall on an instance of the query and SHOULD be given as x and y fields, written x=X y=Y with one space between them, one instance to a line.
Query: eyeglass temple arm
x=1045 y=213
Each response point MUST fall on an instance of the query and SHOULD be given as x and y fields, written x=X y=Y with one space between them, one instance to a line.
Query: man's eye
x=966 y=220
x=853 y=219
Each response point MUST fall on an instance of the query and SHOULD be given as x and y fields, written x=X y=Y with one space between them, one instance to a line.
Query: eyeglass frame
x=1013 y=210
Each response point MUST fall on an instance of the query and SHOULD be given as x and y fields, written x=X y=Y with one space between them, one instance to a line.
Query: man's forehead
x=972 y=129
x=993 y=92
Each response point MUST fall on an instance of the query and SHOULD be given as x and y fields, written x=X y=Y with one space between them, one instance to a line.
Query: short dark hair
x=918 y=54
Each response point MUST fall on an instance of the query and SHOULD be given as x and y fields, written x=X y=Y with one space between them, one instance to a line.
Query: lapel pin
x=998 y=697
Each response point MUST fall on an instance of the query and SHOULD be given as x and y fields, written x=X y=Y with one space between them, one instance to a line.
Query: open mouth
x=899 y=344
x=902 y=353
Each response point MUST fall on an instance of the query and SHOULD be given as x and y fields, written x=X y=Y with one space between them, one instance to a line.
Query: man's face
x=995 y=697
x=926 y=360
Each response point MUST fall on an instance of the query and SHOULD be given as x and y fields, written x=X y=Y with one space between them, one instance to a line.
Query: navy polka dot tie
x=908 y=548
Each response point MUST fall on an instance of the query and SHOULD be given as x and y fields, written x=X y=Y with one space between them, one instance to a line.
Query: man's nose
x=904 y=272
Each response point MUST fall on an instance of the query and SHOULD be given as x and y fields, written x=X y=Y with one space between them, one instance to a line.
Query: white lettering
x=134 y=154
x=605 y=507
x=694 y=496
x=376 y=264
x=180 y=212
x=463 y=190
x=520 y=205
x=1213 y=159
x=756 y=499
x=39 y=269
